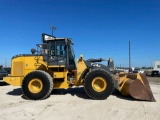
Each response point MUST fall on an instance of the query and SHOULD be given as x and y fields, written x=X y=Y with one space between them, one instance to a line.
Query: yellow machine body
x=129 y=84
x=22 y=65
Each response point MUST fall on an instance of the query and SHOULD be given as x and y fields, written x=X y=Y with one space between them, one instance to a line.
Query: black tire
x=44 y=81
x=105 y=90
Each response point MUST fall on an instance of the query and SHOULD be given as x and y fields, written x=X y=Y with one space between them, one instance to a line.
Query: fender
x=84 y=73
x=94 y=65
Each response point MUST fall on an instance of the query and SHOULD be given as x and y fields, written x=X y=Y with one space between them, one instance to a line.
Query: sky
x=98 y=28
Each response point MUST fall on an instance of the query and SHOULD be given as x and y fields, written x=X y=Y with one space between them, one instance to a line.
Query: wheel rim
x=35 y=85
x=99 y=84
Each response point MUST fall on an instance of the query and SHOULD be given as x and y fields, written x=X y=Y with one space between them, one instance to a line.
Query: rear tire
x=37 y=85
x=98 y=84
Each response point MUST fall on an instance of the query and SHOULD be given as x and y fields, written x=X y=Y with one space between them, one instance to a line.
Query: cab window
x=57 y=48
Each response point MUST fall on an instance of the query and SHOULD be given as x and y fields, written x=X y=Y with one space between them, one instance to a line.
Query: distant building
x=156 y=65
x=155 y=71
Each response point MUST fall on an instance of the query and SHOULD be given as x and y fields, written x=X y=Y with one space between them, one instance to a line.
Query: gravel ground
x=75 y=104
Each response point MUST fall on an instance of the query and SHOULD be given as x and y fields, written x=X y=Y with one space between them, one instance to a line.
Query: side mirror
x=33 y=51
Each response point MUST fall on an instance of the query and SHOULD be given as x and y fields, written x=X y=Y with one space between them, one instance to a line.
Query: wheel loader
x=53 y=66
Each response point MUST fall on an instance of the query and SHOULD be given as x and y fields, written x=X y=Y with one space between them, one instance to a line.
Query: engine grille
x=18 y=68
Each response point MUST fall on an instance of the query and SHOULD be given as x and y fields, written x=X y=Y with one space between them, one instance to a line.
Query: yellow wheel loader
x=52 y=66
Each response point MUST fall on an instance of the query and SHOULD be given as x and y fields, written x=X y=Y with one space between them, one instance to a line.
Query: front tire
x=98 y=84
x=37 y=85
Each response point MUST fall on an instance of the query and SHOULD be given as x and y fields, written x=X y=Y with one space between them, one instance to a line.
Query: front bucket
x=135 y=85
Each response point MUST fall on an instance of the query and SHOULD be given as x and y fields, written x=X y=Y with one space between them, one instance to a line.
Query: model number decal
x=95 y=64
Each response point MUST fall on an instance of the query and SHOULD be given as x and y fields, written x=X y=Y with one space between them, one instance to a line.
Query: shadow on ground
x=15 y=92
x=79 y=92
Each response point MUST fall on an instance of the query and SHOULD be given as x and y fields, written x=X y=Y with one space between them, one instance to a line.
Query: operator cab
x=58 y=52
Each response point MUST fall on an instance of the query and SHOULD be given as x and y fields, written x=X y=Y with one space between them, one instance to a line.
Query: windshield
x=72 y=51
x=57 y=48
x=71 y=55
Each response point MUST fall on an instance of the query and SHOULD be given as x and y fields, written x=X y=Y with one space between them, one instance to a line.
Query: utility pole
x=129 y=58
x=52 y=28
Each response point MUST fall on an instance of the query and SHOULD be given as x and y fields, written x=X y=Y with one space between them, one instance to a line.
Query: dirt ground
x=74 y=104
